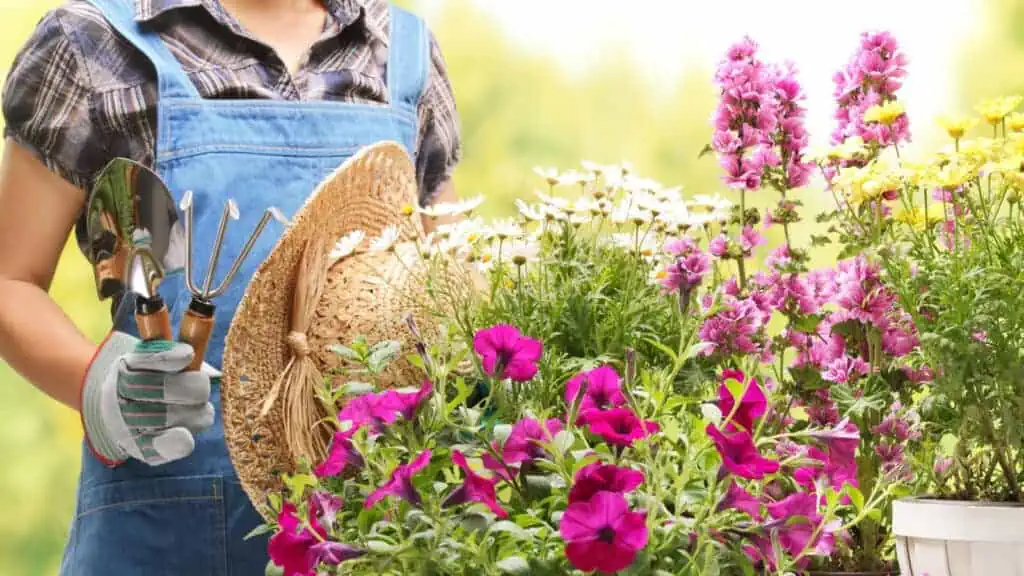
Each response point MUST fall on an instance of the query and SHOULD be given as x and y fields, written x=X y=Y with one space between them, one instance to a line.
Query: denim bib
x=190 y=517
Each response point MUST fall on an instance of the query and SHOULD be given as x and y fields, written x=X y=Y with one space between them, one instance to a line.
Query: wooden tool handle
x=196 y=328
x=152 y=318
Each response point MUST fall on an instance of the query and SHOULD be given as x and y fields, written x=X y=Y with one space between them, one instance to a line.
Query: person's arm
x=439 y=142
x=38 y=209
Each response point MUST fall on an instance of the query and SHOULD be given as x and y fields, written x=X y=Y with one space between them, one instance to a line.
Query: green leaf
x=356 y=388
x=856 y=496
x=514 y=565
x=948 y=444
x=463 y=392
x=344 y=351
x=273 y=570
x=668 y=351
x=511 y=528
x=380 y=547
x=382 y=354
x=737 y=389
x=564 y=441
x=698 y=349
x=259 y=531
x=799 y=413
x=707 y=149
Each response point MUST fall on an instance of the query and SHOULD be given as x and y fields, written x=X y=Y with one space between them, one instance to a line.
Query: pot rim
x=933 y=500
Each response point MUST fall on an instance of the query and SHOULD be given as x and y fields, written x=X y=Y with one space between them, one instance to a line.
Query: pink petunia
x=407 y=404
x=289 y=548
x=475 y=488
x=400 y=483
x=524 y=443
x=342 y=455
x=752 y=405
x=740 y=456
x=737 y=498
x=602 y=534
x=506 y=353
x=598 y=477
x=597 y=389
x=620 y=426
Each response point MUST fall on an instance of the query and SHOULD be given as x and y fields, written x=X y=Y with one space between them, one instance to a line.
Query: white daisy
x=560 y=204
x=386 y=241
x=347 y=245
x=576 y=177
x=550 y=175
x=505 y=229
x=587 y=205
x=521 y=252
x=530 y=212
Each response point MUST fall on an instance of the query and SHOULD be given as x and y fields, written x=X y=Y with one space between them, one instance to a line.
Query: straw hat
x=300 y=302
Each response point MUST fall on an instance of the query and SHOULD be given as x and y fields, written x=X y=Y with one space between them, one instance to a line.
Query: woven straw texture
x=366 y=294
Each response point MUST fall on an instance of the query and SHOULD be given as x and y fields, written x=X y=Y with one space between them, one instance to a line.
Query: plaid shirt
x=78 y=95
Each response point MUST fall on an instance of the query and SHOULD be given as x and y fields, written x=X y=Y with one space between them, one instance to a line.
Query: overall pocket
x=159 y=526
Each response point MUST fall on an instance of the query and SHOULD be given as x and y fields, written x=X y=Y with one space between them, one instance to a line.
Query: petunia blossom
x=342 y=455
x=290 y=547
x=599 y=477
x=475 y=488
x=752 y=405
x=602 y=534
x=506 y=353
x=597 y=389
x=620 y=426
x=524 y=444
x=740 y=456
x=738 y=498
x=400 y=483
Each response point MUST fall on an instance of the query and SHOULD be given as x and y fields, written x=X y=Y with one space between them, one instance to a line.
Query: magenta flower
x=872 y=76
x=601 y=389
x=737 y=498
x=497 y=466
x=373 y=410
x=798 y=520
x=620 y=426
x=400 y=483
x=598 y=477
x=475 y=488
x=846 y=370
x=508 y=354
x=325 y=507
x=342 y=455
x=752 y=405
x=290 y=548
x=686 y=272
x=332 y=553
x=719 y=246
x=524 y=444
x=602 y=534
x=740 y=456
x=407 y=403
x=735 y=329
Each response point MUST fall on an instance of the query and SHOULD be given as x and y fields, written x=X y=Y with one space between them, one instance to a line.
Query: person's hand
x=137 y=403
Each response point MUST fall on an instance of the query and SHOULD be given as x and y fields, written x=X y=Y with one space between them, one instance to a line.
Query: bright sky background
x=667 y=36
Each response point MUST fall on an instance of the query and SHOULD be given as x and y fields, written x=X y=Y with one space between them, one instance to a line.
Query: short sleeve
x=439 y=144
x=46 y=104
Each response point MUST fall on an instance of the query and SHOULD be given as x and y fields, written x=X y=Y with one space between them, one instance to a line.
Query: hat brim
x=366 y=193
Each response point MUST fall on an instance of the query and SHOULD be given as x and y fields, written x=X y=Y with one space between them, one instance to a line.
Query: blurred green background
x=519 y=107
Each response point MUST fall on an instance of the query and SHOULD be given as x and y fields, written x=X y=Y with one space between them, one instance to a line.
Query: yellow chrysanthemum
x=913 y=217
x=954 y=175
x=1015 y=122
x=957 y=126
x=915 y=173
x=886 y=113
x=866 y=184
x=994 y=110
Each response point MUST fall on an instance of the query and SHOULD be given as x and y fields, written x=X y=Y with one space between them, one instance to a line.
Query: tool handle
x=196 y=328
x=152 y=318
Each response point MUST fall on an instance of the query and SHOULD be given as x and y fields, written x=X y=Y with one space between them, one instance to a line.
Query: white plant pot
x=946 y=538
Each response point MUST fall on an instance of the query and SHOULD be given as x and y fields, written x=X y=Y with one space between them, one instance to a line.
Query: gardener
x=255 y=99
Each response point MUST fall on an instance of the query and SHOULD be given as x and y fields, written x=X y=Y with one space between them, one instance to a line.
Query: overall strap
x=408 y=60
x=172 y=80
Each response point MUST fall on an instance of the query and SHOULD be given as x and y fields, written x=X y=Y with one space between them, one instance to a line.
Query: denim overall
x=190 y=517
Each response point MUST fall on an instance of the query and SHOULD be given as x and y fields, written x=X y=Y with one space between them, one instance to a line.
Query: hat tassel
x=306 y=437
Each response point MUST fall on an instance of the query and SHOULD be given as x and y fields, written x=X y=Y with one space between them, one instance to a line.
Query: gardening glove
x=137 y=403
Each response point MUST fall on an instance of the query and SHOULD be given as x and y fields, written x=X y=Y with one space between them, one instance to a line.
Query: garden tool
x=132 y=236
x=197 y=323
